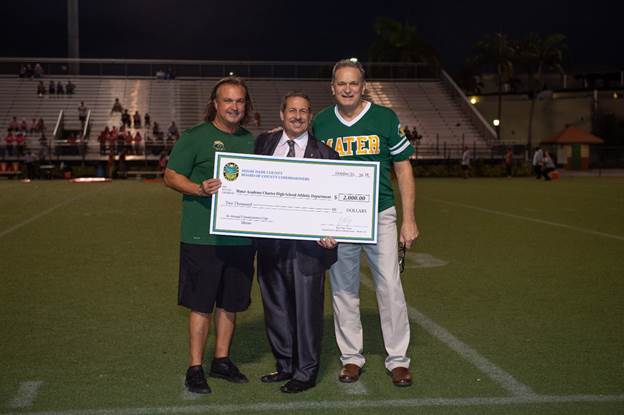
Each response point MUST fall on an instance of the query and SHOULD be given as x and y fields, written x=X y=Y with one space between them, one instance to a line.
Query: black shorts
x=220 y=275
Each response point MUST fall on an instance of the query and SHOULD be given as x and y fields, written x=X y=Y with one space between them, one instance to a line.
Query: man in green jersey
x=360 y=130
x=214 y=270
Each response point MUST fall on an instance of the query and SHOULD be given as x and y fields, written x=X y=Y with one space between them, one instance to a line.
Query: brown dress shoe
x=349 y=373
x=401 y=376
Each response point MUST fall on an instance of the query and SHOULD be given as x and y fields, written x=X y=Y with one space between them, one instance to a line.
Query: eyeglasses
x=402 y=250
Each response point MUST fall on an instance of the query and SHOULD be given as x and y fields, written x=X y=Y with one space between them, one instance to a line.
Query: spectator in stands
x=38 y=71
x=169 y=74
x=137 y=142
x=172 y=131
x=51 y=88
x=160 y=74
x=60 y=90
x=33 y=126
x=549 y=166
x=70 y=88
x=148 y=120
x=112 y=140
x=465 y=163
x=125 y=119
x=44 y=150
x=41 y=126
x=22 y=72
x=116 y=106
x=538 y=162
x=128 y=139
x=416 y=136
x=41 y=89
x=162 y=162
x=121 y=141
x=122 y=168
x=23 y=126
x=509 y=162
x=13 y=125
x=136 y=118
x=29 y=159
x=82 y=113
x=9 y=142
x=103 y=139
x=408 y=134
x=20 y=140
x=156 y=132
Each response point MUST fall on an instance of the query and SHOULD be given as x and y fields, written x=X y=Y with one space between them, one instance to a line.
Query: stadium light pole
x=73 y=37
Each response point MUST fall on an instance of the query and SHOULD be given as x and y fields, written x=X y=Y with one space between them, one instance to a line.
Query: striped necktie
x=291 y=150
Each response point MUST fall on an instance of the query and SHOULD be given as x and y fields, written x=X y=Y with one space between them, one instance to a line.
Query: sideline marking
x=186 y=395
x=355 y=388
x=45 y=212
x=26 y=394
x=423 y=260
x=498 y=375
x=527 y=218
x=328 y=405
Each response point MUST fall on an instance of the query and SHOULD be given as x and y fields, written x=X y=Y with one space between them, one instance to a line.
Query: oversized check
x=295 y=198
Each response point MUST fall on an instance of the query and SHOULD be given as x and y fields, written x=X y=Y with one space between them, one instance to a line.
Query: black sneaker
x=224 y=368
x=196 y=380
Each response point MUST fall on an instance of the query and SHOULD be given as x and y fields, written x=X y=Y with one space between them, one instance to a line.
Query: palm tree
x=536 y=54
x=496 y=50
x=397 y=42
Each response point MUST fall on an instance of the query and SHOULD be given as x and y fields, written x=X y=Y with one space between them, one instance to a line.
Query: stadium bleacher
x=424 y=104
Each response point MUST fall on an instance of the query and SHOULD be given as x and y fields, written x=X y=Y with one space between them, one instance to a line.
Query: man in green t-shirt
x=214 y=270
x=360 y=130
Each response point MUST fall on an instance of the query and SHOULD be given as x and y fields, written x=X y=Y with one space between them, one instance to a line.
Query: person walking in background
x=538 y=162
x=509 y=162
x=465 y=162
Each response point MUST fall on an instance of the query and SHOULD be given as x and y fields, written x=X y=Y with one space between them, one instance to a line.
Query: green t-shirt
x=193 y=156
x=374 y=135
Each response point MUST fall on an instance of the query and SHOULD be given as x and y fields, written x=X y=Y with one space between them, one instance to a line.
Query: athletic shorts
x=215 y=275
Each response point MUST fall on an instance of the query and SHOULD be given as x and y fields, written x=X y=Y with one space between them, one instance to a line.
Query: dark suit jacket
x=311 y=258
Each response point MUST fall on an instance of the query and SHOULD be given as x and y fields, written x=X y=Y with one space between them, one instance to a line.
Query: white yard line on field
x=26 y=394
x=527 y=218
x=498 y=375
x=290 y=407
x=45 y=212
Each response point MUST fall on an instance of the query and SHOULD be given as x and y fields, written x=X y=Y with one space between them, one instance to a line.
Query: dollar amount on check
x=295 y=198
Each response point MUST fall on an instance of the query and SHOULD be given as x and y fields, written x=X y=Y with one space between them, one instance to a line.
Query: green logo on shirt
x=218 y=145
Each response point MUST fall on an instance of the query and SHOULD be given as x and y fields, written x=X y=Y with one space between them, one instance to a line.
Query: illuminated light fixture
x=496 y=122
x=473 y=100
x=354 y=60
x=616 y=95
x=231 y=73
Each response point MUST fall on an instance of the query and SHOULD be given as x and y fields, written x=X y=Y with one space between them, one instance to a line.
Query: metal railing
x=216 y=69
x=484 y=128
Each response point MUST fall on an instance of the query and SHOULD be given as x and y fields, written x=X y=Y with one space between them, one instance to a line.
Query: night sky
x=302 y=31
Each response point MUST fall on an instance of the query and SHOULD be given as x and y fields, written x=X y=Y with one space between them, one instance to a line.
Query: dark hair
x=348 y=63
x=296 y=93
x=211 y=111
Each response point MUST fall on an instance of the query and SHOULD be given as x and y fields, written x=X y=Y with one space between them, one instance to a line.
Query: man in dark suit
x=291 y=274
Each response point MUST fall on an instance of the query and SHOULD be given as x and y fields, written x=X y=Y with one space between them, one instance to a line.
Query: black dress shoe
x=276 y=377
x=296 y=386
x=223 y=368
x=196 y=380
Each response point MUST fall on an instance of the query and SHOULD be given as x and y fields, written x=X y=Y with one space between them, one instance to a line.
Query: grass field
x=515 y=292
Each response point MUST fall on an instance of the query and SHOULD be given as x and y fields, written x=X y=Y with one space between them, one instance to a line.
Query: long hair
x=211 y=111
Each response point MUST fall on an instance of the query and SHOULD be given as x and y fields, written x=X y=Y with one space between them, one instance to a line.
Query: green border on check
x=369 y=239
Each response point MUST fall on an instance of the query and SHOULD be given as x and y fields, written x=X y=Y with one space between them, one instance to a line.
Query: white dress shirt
x=282 y=147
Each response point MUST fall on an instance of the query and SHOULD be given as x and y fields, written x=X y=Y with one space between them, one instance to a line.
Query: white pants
x=345 y=284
